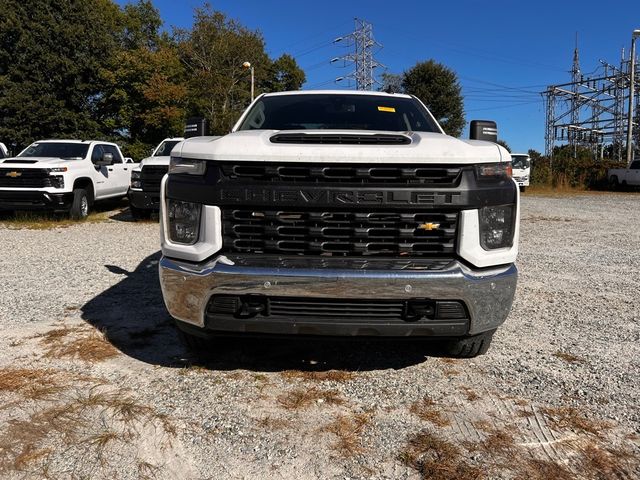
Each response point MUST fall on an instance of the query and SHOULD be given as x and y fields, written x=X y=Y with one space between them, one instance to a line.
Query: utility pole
x=632 y=71
x=362 y=57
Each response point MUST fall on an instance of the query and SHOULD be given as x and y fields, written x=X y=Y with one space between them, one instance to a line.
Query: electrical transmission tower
x=362 y=57
x=591 y=111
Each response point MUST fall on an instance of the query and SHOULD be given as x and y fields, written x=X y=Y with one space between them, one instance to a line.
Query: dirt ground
x=94 y=382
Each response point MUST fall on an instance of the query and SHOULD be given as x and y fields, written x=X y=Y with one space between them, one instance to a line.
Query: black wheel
x=139 y=213
x=523 y=188
x=469 y=347
x=80 y=205
x=613 y=183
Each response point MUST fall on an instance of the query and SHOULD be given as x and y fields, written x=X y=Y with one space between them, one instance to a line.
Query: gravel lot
x=557 y=395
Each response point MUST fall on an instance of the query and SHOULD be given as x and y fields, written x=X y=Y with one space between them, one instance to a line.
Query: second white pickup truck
x=623 y=177
x=64 y=176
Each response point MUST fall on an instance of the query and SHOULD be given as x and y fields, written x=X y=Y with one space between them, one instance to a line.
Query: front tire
x=613 y=183
x=469 y=347
x=80 y=205
x=522 y=189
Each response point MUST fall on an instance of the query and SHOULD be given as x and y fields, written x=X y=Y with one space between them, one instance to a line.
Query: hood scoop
x=340 y=139
x=20 y=161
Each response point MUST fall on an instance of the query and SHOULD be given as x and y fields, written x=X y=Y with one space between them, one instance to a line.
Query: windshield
x=56 y=150
x=164 y=150
x=339 y=112
x=520 y=162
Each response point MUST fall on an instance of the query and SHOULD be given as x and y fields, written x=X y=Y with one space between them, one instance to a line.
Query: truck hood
x=35 y=162
x=255 y=145
x=162 y=161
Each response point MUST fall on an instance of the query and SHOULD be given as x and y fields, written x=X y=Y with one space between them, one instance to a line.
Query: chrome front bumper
x=187 y=288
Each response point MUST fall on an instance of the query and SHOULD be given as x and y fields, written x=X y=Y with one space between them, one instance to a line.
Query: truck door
x=100 y=173
x=634 y=173
x=120 y=172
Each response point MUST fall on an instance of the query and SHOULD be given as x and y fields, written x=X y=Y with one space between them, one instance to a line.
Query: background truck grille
x=26 y=178
x=151 y=177
x=432 y=175
x=338 y=233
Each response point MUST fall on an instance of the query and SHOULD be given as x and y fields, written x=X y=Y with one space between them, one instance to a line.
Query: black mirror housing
x=483 y=130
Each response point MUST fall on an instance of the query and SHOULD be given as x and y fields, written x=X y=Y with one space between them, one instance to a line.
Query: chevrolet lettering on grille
x=331 y=197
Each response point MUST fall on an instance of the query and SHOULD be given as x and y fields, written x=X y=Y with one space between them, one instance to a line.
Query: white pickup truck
x=144 y=193
x=521 y=169
x=625 y=177
x=340 y=213
x=64 y=176
x=4 y=153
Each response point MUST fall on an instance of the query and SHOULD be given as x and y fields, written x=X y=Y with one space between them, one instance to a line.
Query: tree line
x=92 y=69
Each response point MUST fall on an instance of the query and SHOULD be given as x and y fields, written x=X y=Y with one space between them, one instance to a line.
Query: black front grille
x=341 y=139
x=151 y=176
x=432 y=175
x=332 y=308
x=338 y=233
x=25 y=178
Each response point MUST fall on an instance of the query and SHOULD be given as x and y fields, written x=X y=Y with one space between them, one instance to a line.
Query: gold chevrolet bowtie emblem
x=13 y=174
x=429 y=226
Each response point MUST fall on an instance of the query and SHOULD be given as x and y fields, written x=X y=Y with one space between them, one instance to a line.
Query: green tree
x=145 y=87
x=438 y=88
x=285 y=75
x=392 y=83
x=51 y=58
x=213 y=53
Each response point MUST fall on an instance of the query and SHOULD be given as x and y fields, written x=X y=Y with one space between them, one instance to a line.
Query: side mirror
x=106 y=160
x=483 y=130
x=128 y=160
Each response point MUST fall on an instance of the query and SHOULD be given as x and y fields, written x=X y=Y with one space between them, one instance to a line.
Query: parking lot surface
x=94 y=381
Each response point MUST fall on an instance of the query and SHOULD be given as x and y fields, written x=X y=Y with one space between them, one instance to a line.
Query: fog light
x=184 y=221
x=496 y=226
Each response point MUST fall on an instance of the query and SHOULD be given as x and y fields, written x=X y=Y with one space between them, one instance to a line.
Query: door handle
x=110 y=169
x=125 y=169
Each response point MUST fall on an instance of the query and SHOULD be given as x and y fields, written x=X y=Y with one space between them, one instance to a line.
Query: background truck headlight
x=184 y=221
x=187 y=165
x=497 y=226
x=135 y=179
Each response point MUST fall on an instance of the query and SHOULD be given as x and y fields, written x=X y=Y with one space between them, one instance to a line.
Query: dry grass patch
x=470 y=394
x=270 y=423
x=437 y=459
x=607 y=462
x=33 y=384
x=89 y=345
x=303 y=398
x=427 y=410
x=568 y=357
x=570 y=418
x=348 y=430
x=45 y=221
x=339 y=376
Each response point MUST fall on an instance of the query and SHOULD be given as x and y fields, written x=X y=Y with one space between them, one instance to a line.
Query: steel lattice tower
x=364 y=47
x=591 y=111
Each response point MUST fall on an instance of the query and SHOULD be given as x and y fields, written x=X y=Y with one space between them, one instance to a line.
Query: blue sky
x=504 y=52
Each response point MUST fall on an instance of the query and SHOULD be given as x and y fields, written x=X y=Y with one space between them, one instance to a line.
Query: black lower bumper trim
x=144 y=200
x=35 y=200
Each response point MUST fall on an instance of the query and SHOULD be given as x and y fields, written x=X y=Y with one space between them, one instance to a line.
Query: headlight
x=488 y=171
x=135 y=179
x=187 y=165
x=58 y=169
x=184 y=221
x=496 y=226
x=57 y=181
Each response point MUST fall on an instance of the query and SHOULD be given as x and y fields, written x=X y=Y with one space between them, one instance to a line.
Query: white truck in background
x=625 y=177
x=4 y=153
x=144 y=191
x=521 y=169
x=64 y=176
